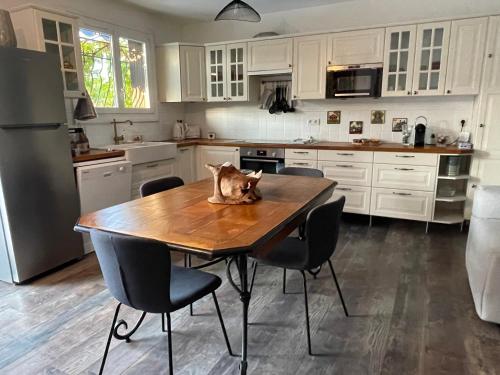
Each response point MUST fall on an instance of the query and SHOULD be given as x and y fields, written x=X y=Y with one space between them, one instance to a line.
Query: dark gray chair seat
x=291 y=253
x=300 y=171
x=188 y=285
x=159 y=185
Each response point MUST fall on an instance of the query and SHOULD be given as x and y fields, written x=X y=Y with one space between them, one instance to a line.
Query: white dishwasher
x=101 y=185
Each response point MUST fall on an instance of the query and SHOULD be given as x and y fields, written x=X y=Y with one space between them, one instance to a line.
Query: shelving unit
x=451 y=189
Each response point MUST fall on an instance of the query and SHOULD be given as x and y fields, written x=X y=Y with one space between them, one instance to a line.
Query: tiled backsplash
x=246 y=121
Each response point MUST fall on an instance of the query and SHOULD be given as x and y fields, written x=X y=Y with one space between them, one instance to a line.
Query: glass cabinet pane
x=434 y=83
x=240 y=55
x=233 y=89
x=393 y=61
x=214 y=90
x=49 y=29
x=212 y=57
x=394 y=41
x=426 y=39
x=438 y=37
x=240 y=89
x=391 y=82
x=52 y=48
x=436 y=59
x=403 y=61
x=69 y=61
x=240 y=72
x=422 y=81
x=66 y=32
x=405 y=40
x=71 y=79
x=233 y=73
x=402 y=82
x=219 y=57
x=424 y=60
x=233 y=55
x=219 y=73
x=221 y=89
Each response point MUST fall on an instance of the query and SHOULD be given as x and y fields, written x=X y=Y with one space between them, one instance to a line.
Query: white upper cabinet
x=227 y=78
x=49 y=32
x=431 y=58
x=181 y=73
x=270 y=56
x=398 y=60
x=466 y=55
x=356 y=47
x=309 y=67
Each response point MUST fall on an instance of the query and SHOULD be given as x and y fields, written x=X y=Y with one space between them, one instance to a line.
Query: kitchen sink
x=145 y=152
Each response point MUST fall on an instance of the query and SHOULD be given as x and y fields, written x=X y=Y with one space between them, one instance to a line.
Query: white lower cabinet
x=142 y=173
x=299 y=163
x=357 y=198
x=215 y=155
x=345 y=173
x=402 y=204
x=411 y=177
x=185 y=164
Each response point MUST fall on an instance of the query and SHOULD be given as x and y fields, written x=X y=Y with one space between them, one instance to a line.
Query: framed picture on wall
x=356 y=127
x=398 y=123
x=333 y=117
x=378 y=117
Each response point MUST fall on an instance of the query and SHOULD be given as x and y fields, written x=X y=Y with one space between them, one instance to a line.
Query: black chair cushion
x=290 y=253
x=189 y=285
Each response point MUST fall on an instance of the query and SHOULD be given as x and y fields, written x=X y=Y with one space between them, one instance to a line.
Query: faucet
x=117 y=139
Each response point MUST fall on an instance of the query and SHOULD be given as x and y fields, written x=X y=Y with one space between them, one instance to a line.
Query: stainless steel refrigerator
x=38 y=197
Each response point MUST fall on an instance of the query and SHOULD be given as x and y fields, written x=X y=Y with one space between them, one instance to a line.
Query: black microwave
x=354 y=81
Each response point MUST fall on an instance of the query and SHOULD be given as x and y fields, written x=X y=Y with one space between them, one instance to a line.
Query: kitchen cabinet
x=466 y=56
x=410 y=177
x=431 y=57
x=56 y=33
x=347 y=173
x=185 y=164
x=309 y=67
x=402 y=204
x=356 y=47
x=227 y=78
x=398 y=60
x=273 y=56
x=357 y=198
x=181 y=73
x=142 y=173
x=301 y=163
x=215 y=155
x=292 y=153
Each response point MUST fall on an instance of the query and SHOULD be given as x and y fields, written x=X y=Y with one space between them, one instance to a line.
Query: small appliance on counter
x=419 y=132
x=79 y=141
x=211 y=135
x=179 y=131
x=193 y=131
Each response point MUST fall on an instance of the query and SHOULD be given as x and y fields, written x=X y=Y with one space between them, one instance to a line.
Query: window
x=115 y=71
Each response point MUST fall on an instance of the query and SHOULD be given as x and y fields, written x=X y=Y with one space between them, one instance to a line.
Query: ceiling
x=206 y=10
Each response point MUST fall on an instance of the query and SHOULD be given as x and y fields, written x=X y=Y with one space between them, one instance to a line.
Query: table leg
x=242 y=289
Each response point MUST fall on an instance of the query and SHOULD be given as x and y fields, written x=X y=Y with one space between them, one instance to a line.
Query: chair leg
x=189 y=265
x=254 y=265
x=109 y=339
x=222 y=324
x=284 y=280
x=308 y=329
x=338 y=288
x=170 y=361
x=163 y=323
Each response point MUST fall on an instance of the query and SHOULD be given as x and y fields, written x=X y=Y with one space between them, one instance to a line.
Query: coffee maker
x=419 y=132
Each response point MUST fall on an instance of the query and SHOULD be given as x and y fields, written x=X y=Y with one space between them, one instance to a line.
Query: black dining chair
x=299 y=171
x=159 y=185
x=321 y=235
x=139 y=274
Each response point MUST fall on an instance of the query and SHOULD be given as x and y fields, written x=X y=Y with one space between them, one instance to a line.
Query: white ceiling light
x=238 y=10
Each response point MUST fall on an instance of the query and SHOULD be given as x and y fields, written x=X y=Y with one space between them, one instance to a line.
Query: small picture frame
x=333 y=117
x=356 y=127
x=378 y=117
x=398 y=123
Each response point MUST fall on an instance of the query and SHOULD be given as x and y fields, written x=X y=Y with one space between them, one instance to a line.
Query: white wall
x=246 y=121
x=343 y=15
x=162 y=28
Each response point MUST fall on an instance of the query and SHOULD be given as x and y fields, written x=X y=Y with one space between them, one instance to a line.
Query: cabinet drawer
x=358 y=174
x=402 y=204
x=301 y=163
x=411 y=177
x=405 y=158
x=339 y=155
x=357 y=198
x=294 y=153
x=150 y=171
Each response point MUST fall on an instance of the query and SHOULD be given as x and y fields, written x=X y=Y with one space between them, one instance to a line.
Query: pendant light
x=238 y=10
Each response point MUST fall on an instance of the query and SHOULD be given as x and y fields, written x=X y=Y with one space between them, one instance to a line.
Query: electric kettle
x=179 y=131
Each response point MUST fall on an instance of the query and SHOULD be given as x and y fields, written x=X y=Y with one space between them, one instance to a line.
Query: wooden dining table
x=183 y=219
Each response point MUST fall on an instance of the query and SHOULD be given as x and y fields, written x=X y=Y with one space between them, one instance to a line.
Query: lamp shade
x=85 y=109
x=7 y=35
x=238 y=10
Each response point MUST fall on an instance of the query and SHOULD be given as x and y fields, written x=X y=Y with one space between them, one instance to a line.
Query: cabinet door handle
x=404 y=169
x=289 y=65
x=344 y=154
x=409 y=93
x=107 y=174
x=402 y=194
x=344 y=166
x=344 y=189
x=152 y=165
x=448 y=91
x=415 y=92
x=183 y=149
x=405 y=156
x=482 y=125
x=474 y=186
x=296 y=163
x=301 y=152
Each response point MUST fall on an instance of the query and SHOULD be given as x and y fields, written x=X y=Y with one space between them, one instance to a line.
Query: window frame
x=117 y=32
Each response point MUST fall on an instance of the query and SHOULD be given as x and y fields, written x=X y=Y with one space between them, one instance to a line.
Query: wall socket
x=314 y=121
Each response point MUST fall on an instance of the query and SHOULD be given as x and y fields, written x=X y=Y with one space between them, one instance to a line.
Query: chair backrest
x=136 y=271
x=159 y=185
x=298 y=171
x=322 y=232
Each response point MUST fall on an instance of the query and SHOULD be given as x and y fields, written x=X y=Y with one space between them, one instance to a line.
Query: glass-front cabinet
x=53 y=33
x=398 y=61
x=227 y=78
x=431 y=55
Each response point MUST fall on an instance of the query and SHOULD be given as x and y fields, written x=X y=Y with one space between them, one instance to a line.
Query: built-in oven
x=269 y=160
x=351 y=81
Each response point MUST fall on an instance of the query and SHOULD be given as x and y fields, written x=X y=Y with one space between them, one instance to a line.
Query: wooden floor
x=407 y=291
